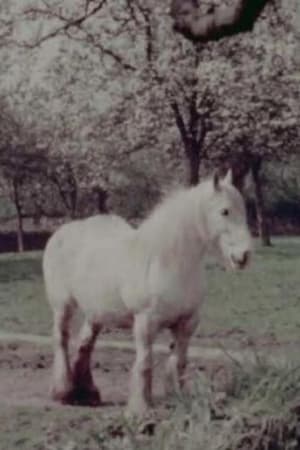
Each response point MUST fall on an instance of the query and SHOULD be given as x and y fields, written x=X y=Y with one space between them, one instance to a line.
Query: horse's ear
x=228 y=177
x=216 y=181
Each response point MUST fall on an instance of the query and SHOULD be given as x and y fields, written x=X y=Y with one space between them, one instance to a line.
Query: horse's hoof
x=83 y=396
x=138 y=411
x=78 y=396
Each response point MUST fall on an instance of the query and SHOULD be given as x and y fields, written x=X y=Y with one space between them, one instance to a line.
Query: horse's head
x=226 y=222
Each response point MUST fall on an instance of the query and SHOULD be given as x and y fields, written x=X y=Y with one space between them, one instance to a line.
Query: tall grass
x=260 y=413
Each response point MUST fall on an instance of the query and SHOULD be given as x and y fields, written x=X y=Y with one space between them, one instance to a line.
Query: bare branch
x=67 y=23
x=107 y=51
x=73 y=24
x=146 y=13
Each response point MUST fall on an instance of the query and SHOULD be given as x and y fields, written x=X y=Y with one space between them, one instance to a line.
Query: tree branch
x=106 y=51
x=146 y=13
x=67 y=23
x=180 y=123
x=194 y=115
x=202 y=131
x=53 y=177
x=219 y=21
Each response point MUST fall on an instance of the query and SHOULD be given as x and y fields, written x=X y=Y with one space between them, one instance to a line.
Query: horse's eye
x=225 y=212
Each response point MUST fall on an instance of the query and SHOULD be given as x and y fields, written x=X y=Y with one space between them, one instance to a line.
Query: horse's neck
x=172 y=232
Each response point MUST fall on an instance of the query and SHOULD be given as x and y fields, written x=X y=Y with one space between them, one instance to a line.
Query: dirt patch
x=231 y=339
x=25 y=374
x=30 y=420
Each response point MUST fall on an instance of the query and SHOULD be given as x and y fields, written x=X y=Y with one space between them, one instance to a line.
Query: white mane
x=175 y=222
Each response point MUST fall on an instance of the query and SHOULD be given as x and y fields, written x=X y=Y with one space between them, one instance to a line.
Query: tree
x=17 y=168
x=263 y=127
x=16 y=163
x=193 y=133
x=196 y=20
x=123 y=87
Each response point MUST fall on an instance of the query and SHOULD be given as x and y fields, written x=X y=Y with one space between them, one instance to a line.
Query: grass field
x=258 y=409
x=262 y=301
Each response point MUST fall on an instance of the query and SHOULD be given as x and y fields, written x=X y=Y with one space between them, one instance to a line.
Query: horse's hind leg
x=177 y=361
x=62 y=376
x=85 y=391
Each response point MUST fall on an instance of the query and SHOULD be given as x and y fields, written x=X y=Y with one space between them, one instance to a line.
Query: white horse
x=149 y=278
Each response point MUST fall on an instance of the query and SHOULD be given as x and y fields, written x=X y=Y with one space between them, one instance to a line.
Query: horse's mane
x=174 y=218
x=167 y=198
x=170 y=199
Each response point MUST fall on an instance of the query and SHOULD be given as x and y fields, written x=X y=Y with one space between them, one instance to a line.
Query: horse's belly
x=96 y=285
x=171 y=304
x=99 y=296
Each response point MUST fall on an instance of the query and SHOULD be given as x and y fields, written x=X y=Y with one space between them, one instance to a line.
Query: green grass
x=261 y=301
x=257 y=409
x=23 y=305
x=31 y=428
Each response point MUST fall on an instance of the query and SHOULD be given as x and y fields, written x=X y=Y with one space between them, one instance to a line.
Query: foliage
x=283 y=196
x=104 y=95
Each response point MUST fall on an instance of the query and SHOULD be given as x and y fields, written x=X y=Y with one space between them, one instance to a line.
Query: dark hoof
x=79 y=396
x=83 y=396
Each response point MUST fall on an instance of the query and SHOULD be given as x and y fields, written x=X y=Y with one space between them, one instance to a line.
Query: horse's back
x=65 y=246
x=106 y=224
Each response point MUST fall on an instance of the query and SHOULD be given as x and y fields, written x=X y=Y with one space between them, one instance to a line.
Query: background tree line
x=104 y=106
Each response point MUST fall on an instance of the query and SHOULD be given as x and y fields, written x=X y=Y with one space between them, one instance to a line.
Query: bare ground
x=25 y=374
x=26 y=364
x=30 y=420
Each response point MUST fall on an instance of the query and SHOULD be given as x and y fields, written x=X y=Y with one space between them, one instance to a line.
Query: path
x=278 y=356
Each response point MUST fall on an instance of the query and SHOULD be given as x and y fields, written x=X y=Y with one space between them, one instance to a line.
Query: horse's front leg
x=140 y=393
x=177 y=361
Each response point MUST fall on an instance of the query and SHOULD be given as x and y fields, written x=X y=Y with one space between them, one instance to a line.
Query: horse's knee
x=87 y=340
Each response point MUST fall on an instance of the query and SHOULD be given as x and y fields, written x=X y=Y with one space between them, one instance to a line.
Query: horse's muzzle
x=242 y=260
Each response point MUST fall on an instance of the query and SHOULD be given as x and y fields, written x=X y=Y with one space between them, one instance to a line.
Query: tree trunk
x=20 y=231
x=101 y=200
x=240 y=165
x=193 y=166
x=262 y=221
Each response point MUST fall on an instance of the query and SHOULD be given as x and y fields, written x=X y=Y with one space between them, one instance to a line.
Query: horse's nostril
x=246 y=256
x=242 y=260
